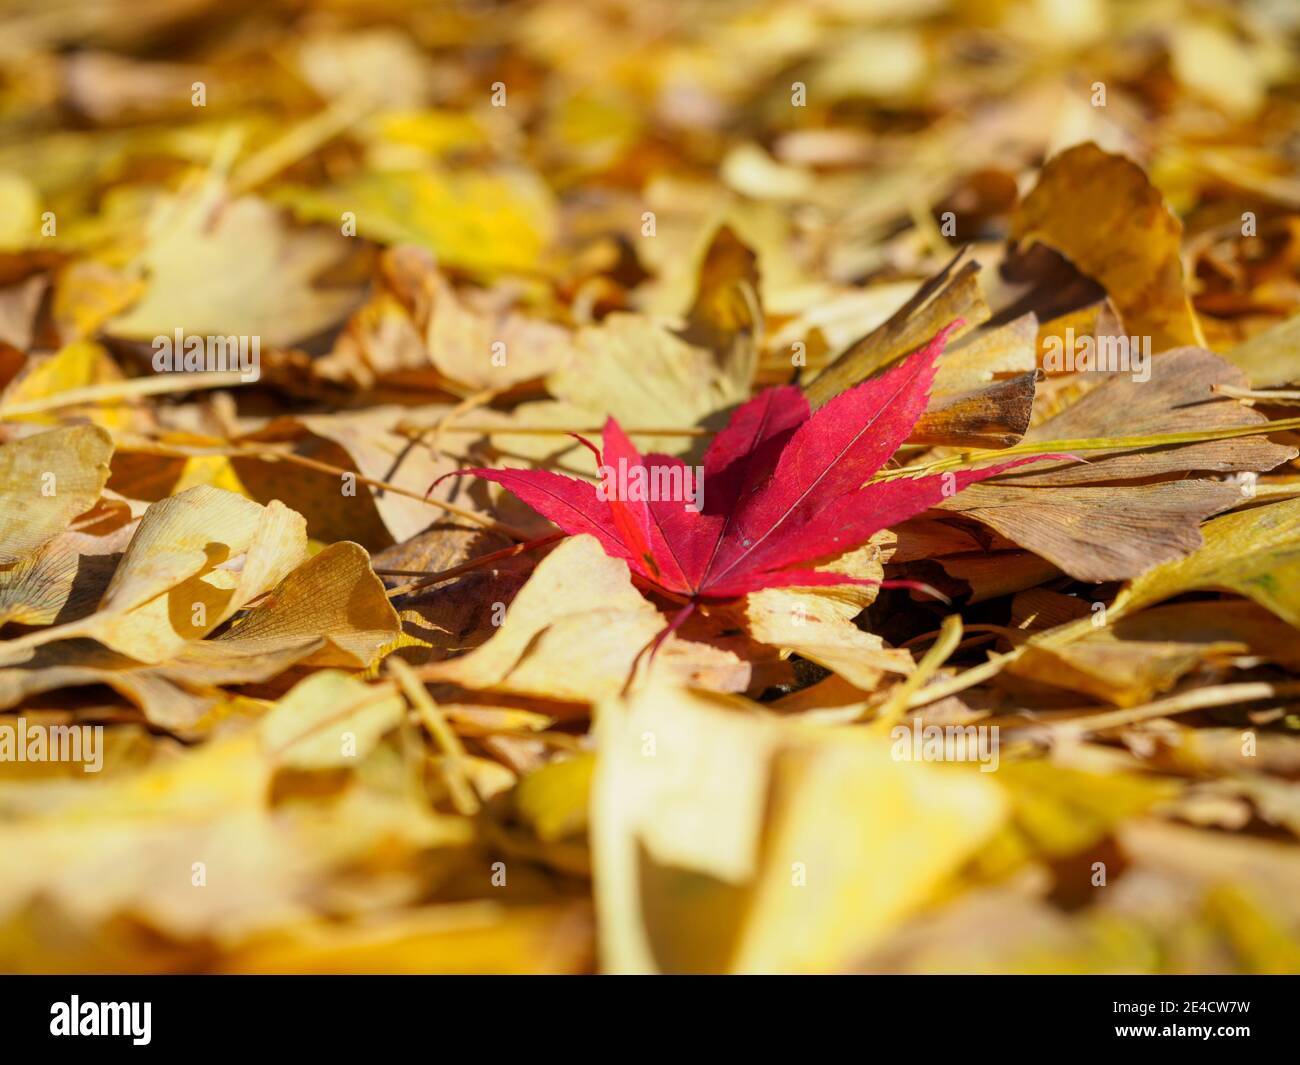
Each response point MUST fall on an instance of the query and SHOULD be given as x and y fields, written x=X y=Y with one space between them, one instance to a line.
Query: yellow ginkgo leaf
x=1254 y=552
x=330 y=611
x=817 y=623
x=457 y=939
x=333 y=601
x=831 y=887
x=46 y=480
x=174 y=583
x=232 y=268
x=81 y=364
x=554 y=800
x=330 y=719
x=729 y=840
x=64 y=580
x=482 y=221
x=1128 y=240
x=574 y=633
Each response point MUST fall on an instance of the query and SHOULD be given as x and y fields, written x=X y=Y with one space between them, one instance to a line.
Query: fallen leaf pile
x=930 y=603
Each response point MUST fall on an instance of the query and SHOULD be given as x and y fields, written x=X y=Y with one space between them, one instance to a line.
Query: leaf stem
x=463 y=795
x=425 y=578
x=972 y=456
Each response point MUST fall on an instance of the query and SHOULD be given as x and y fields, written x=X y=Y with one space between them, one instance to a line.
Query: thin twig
x=270 y=455
x=127 y=389
x=899 y=700
x=500 y=430
x=1100 y=718
x=1113 y=443
x=1280 y=395
x=463 y=795
x=299 y=141
x=424 y=579
x=932 y=693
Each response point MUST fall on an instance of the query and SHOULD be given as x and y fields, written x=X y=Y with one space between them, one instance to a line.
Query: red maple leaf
x=782 y=487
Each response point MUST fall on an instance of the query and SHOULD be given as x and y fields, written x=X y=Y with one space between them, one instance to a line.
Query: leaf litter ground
x=966 y=345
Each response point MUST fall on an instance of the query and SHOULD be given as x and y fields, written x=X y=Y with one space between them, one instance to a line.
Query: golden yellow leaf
x=554 y=800
x=795 y=852
x=80 y=364
x=482 y=221
x=817 y=623
x=1128 y=240
x=232 y=268
x=46 y=480
x=574 y=632
x=1252 y=552
x=330 y=719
